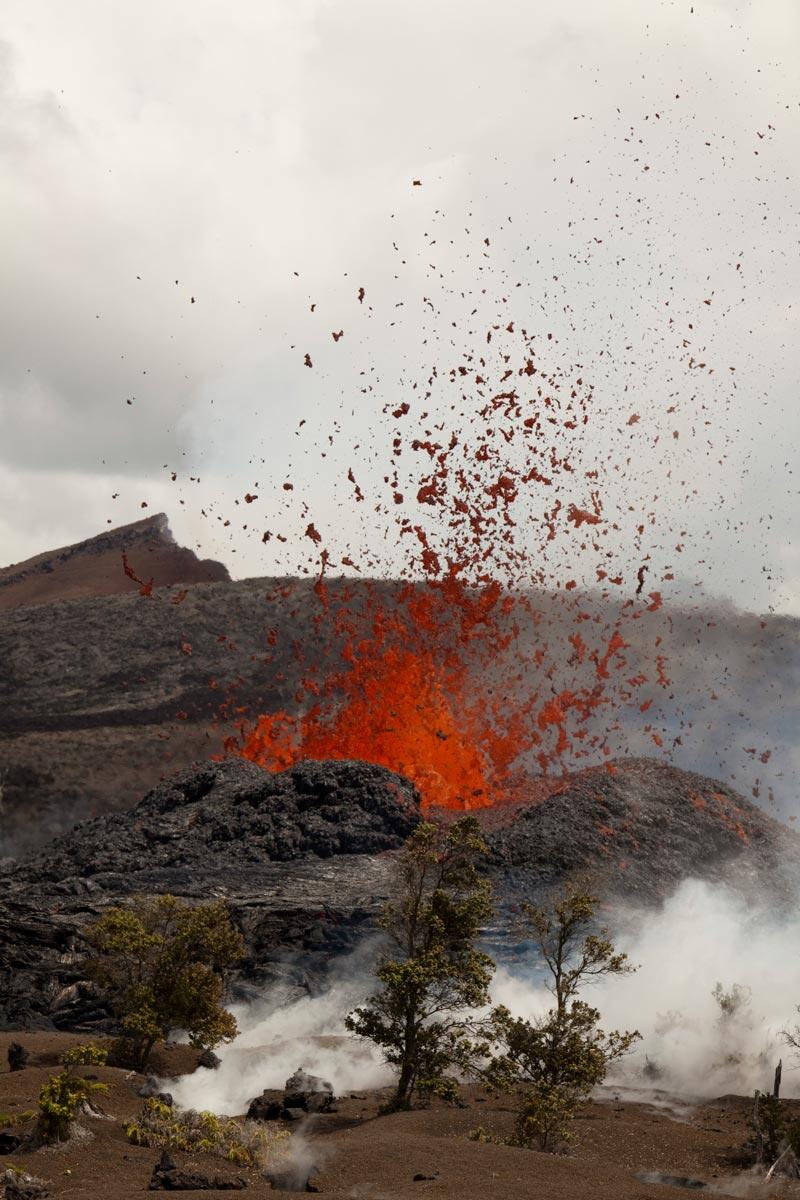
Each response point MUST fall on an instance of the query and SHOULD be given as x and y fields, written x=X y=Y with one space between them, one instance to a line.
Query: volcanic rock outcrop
x=299 y=855
x=304 y=859
x=638 y=828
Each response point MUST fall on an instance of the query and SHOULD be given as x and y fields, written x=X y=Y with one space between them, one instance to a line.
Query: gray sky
x=627 y=160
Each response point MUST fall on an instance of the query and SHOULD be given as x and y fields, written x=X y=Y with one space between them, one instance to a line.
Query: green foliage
x=769 y=1125
x=432 y=973
x=567 y=946
x=162 y=963
x=60 y=1100
x=88 y=1055
x=566 y=1049
x=480 y=1135
x=246 y=1143
x=544 y=1116
x=774 y=1138
x=560 y=1057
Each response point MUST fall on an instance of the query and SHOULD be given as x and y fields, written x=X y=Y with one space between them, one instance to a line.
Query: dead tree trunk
x=776 y=1088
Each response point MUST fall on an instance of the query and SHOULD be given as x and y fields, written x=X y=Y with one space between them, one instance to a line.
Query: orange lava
x=399 y=702
x=417 y=689
x=397 y=715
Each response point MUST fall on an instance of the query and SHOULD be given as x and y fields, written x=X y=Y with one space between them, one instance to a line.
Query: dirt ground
x=361 y=1155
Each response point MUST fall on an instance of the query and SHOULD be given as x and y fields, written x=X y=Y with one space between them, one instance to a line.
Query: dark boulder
x=293 y=1176
x=22 y=1187
x=168 y=1177
x=151 y=1089
x=308 y=1093
x=294 y=1114
x=209 y=1060
x=266 y=1107
x=17 y=1057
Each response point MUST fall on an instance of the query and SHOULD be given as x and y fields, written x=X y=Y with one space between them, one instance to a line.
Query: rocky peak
x=94 y=567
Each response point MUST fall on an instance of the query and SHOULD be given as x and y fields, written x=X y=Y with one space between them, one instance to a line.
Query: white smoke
x=277 y=1037
x=706 y=936
x=703 y=935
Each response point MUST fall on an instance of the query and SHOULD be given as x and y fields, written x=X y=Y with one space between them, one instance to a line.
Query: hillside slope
x=94 y=567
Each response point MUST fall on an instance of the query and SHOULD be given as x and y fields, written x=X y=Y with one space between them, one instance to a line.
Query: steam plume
x=703 y=936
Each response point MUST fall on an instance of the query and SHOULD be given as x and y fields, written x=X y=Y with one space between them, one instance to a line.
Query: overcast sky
x=182 y=181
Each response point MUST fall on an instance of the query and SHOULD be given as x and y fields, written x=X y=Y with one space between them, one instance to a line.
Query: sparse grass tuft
x=9 y=1119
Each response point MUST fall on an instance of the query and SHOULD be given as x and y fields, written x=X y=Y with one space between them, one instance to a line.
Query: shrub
x=769 y=1126
x=162 y=963
x=481 y=1135
x=246 y=1143
x=544 y=1116
x=88 y=1055
x=60 y=1100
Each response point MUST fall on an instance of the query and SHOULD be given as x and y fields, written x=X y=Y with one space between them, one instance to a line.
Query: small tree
x=560 y=1057
x=733 y=1024
x=732 y=1004
x=162 y=963
x=432 y=973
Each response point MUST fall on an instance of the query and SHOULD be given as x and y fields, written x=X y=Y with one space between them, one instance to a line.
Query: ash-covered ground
x=624 y=1148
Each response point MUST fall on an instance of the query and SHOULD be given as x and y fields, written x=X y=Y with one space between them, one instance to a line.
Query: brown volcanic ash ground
x=95 y=567
x=361 y=1154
